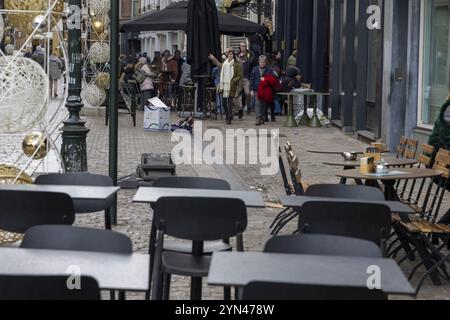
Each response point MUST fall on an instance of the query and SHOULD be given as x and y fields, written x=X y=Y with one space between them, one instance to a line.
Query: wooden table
x=349 y=165
x=75 y=192
x=389 y=162
x=237 y=269
x=150 y=195
x=390 y=178
x=112 y=271
x=299 y=201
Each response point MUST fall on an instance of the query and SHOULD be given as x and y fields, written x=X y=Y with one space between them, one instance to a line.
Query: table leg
x=304 y=121
x=389 y=190
x=151 y=252
x=291 y=122
x=314 y=122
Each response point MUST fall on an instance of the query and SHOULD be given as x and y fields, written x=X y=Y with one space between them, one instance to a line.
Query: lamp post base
x=73 y=150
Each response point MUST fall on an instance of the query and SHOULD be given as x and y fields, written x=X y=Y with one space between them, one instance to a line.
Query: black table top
x=299 y=201
x=239 y=269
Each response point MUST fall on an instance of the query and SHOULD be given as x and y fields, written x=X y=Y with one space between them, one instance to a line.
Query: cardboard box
x=156 y=116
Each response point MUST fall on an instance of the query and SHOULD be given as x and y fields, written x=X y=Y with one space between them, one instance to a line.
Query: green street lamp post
x=74 y=131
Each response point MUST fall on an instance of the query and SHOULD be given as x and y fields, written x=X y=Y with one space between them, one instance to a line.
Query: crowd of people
x=245 y=82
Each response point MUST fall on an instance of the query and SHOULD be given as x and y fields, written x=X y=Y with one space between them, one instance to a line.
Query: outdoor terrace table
x=389 y=162
x=299 y=201
x=237 y=269
x=390 y=178
x=150 y=195
x=112 y=271
x=75 y=192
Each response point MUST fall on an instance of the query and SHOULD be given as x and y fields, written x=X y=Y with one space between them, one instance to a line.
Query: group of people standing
x=164 y=75
x=247 y=81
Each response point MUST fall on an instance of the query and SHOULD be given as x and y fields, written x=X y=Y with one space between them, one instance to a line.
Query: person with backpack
x=143 y=75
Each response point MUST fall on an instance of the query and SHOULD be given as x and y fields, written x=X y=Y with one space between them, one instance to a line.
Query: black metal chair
x=366 y=221
x=79 y=239
x=345 y=192
x=74 y=238
x=318 y=244
x=46 y=288
x=197 y=220
x=21 y=210
x=192 y=183
x=83 y=179
x=257 y=291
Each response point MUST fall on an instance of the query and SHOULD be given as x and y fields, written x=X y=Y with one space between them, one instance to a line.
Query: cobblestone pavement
x=134 y=219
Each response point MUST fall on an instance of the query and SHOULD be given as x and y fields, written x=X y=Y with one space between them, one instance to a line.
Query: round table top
x=395 y=174
x=390 y=162
x=339 y=152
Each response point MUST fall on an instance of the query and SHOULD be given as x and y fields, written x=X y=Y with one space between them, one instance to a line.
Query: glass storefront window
x=436 y=59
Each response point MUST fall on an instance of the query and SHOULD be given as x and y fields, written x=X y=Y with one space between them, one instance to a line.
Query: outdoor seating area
x=198 y=230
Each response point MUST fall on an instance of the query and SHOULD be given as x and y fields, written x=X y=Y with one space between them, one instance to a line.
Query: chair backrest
x=319 y=244
x=287 y=186
x=294 y=169
x=21 y=210
x=426 y=158
x=257 y=291
x=345 y=192
x=46 y=288
x=80 y=179
x=201 y=219
x=366 y=221
x=442 y=162
x=191 y=183
x=402 y=147
x=76 y=179
x=74 y=238
x=411 y=149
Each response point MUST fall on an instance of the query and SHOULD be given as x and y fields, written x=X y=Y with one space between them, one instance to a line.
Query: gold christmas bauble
x=10 y=175
x=102 y=80
x=7 y=40
x=35 y=145
x=98 y=27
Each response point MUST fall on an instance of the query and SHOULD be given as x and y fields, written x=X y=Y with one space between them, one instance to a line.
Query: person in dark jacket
x=440 y=138
x=291 y=81
x=257 y=75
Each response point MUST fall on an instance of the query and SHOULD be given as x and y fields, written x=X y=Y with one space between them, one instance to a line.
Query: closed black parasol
x=203 y=36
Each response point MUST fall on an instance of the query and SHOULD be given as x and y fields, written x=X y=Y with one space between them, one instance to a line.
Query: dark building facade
x=387 y=64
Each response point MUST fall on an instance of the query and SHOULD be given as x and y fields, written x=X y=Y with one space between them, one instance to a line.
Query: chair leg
x=227 y=294
x=151 y=252
x=167 y=280
x=196 y=289
x=108 y=219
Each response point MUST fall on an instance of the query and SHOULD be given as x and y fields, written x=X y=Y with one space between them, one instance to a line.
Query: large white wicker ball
x=99 y=7
x=23 y=94
x=93 y=95
x=99 y=52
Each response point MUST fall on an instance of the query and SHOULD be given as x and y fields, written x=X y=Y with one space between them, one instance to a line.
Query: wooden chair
x=402 y=147
x=411 y=149
x=420 y=228
x=409 y=152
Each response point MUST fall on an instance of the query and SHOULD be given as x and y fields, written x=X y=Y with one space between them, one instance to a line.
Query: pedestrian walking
x=230 y=76
x=258 y=74
x=144 y=76
x=55 y=73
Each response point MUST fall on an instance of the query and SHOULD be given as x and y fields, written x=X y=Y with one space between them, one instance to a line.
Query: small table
x=75 y=192
x=390 y=178
x=338 y=151
x=389 y=162
x=150 y=195
x=112 y=271
x=299 y=201
x=236 y=269
x=290 y=122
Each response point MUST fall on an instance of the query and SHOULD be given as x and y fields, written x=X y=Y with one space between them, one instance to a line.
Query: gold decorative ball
x=7 y=40
x=10 y=175
x=98 y=27
x=35 y=145
x=102 y=80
